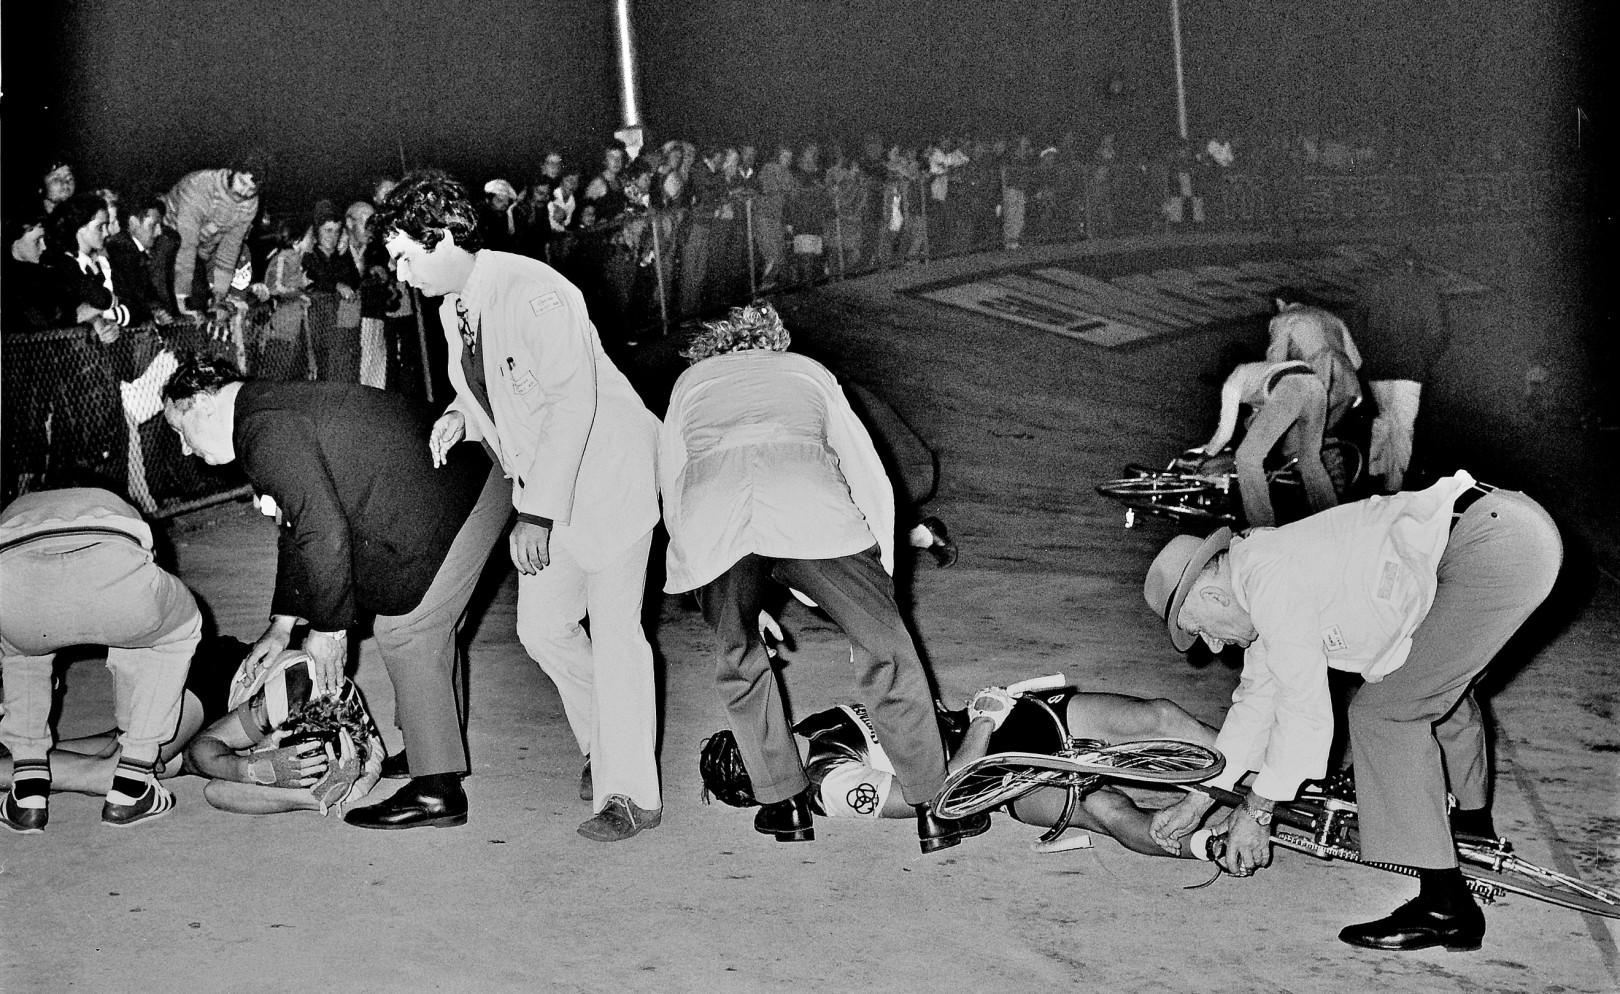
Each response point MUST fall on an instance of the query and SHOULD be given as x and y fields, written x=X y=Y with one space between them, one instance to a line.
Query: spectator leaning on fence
x=212 y=209
x=136 y=277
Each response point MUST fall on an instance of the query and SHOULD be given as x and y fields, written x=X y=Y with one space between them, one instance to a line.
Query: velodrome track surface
x=1025 y=420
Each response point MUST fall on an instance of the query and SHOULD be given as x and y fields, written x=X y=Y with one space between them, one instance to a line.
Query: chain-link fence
x=78 y=411
x=84 y=410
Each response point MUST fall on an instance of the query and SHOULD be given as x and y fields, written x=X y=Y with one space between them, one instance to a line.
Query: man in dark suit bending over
x=368 y=528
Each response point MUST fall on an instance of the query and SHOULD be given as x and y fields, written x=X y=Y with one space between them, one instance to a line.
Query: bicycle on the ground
x=1323 y=824
x=1202 y=490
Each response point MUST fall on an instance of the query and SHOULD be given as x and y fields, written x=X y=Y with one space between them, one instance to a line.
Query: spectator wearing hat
x=1415 y=593
x=212 y=210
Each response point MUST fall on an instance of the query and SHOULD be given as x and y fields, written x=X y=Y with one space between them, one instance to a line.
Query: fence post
x=922 y=209
x=838 y=228
x=655 y=217
x=748 y=221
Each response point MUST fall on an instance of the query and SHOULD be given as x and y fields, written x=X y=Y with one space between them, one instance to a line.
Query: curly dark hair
x=197 y=373
x=724 y=776
x=63 y=224
x=426 y=206
x=323 y=718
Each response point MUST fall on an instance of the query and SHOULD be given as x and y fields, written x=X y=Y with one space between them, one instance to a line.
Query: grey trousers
x=78 y=590
x=890 y=678
x=1298 y=409
x=1419 y=729
x=420 y=648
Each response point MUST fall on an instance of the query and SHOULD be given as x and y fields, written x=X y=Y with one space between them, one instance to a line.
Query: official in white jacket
x=767 y=475
x=533 y=384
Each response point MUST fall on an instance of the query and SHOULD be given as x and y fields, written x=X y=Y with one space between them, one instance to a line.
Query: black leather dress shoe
x=935 y=833
x=426 y=802
x=1419 y=925
x=397 y=766
x=789 y=820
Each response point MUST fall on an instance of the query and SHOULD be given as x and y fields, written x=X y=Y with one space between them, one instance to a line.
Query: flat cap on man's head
x=1171 y=577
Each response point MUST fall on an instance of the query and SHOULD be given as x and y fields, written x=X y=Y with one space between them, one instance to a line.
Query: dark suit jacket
x=164 y=248
x=366 y=519
x=134 y=277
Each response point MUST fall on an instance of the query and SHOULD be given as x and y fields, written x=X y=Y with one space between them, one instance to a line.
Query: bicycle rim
x=1152 y=486
x=993 y=780
x=1183 y=512
x=1169 y=761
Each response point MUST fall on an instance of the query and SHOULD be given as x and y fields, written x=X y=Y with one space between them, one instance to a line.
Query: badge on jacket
x=545 y=302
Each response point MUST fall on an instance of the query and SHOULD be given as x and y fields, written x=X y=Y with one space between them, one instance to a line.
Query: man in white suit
x=533 y=385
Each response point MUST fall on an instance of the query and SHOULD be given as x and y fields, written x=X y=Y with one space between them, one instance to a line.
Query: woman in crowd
x=56 y=186
x=283 y=350
x=334 y=303
x=777 y=183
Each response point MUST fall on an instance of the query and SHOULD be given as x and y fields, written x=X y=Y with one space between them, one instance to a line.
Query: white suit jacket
x=568 y=429
x=761 y=453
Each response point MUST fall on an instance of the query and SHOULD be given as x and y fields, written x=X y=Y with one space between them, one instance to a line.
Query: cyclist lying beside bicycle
x=851 y=777
x=1294 y=405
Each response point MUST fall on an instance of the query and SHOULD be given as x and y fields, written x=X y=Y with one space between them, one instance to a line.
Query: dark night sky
x=138 y=91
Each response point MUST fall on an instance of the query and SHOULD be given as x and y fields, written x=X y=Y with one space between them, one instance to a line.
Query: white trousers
x=605 y=678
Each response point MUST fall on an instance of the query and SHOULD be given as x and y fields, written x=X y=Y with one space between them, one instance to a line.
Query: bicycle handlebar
x=1038 y=683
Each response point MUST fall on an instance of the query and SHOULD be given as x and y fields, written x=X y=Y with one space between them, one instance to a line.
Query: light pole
x=1181 y=81
x=629 y=78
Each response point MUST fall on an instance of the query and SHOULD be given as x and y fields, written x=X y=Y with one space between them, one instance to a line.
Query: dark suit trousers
x=420 y=649
x=890 y=679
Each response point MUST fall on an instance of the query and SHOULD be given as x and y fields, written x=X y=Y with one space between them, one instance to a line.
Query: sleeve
x=553 y=343
x=863 y=471
x=672 y=455
x=314 y=564
x=1281 y=720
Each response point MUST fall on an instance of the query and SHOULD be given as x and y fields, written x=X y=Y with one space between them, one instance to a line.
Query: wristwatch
x=1262 y=816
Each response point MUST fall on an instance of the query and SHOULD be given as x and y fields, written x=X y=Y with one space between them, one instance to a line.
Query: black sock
x=131 y=780
x=1473 y=821
x=1446 y=887
x=439 y=783
x=30 y=778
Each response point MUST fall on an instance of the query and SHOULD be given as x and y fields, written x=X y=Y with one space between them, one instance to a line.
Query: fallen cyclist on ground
x=284 y=748
x=851 y=777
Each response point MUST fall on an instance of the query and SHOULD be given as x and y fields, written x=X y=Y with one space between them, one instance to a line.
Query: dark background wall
x=135 y=92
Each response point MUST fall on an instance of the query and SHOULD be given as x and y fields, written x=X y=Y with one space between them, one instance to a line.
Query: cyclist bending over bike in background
x=851 y=776
x=1292 y=405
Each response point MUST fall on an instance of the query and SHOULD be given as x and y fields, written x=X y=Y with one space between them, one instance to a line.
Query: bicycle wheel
x=1001 y=777
x=1160 y=485
x=998 y=778
x=1196 y=509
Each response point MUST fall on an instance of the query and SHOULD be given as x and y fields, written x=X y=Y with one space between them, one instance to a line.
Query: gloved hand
x=993 y=703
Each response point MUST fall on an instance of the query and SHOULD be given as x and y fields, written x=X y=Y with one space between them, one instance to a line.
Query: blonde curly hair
x=756 y=326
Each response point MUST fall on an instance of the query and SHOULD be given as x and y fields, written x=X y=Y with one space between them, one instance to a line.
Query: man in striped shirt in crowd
x=213 y=209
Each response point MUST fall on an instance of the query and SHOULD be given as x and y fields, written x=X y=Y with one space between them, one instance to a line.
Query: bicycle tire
x=993 y=780
x=1184 y=512
x=1159 y=485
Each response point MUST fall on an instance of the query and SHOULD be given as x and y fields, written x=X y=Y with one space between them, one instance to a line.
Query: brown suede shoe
x=619 y=819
